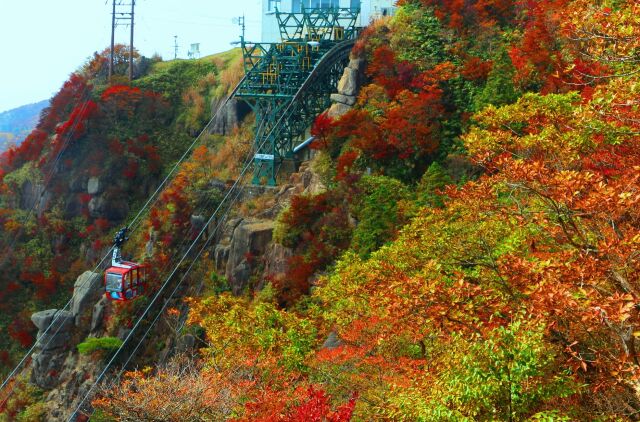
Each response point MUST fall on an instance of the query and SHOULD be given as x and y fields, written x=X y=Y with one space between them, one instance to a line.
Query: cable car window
x=127 y=280
x=113 y=282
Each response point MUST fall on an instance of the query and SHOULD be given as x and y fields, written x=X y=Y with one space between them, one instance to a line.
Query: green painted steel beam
x=288 y=84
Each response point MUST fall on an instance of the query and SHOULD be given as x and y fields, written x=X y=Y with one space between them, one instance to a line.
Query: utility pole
x=175 y=47
x=240 y=22
x=133 y=5
x=121 y=12
x=113 y=37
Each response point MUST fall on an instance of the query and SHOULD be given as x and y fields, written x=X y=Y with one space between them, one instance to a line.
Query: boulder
x=337 y=109
x=356 y=64
x=332 y=341
x=239 y=276
x=97 y=317
x=348 y=84
x=46 y=370
x=96 y=206
x=221 y=256
x=276 y=260
x=31 y=194
x=228 y=118
x=42 y=319
x=227 y=232
x=53 y=340
x=94 y=186
x=343 y=99
x=53 y=329
x=250 y=240
x=86 y=292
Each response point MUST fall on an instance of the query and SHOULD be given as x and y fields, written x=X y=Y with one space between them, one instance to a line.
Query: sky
x=44 y=41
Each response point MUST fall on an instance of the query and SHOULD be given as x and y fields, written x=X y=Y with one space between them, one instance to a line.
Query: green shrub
x=379 y=211
x=433 y=180
x=33 y=413
x=103 y=344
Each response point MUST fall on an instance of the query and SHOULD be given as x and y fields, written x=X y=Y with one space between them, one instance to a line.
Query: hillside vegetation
x=472 y=256
x=123 y=139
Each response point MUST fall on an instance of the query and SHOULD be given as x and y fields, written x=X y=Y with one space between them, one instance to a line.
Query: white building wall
x=369 y=10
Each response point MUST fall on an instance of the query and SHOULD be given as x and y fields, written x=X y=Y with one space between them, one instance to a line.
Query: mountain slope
x=15 y=124
x=463 y=244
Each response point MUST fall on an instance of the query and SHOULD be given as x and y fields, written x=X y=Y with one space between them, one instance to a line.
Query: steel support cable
x=338 y=49
x=313 y=74
x=246 y=165
x=203 y=207
x=187 y=271
x=133 y=223
x=342 y=46
x=159 y=292
x=189 y=149
x=167 y=300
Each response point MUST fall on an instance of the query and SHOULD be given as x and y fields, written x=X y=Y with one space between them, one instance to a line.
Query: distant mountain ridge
x=15 y=124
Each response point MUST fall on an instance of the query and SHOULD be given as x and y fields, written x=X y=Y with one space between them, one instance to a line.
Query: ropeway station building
x=369 y=10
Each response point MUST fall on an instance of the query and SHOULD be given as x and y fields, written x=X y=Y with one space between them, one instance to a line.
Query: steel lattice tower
x=287 y=84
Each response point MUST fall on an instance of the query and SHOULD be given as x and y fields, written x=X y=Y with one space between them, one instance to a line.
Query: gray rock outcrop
x=348 y=88
x=249 y=241
x=332 y=341
x=34 y=195
x=276 y=259
x=86 y=292
x=348 y=84
x=348 y=100
x=229 y=117
x=53 y=339
x=97 y=317
x=94 y=186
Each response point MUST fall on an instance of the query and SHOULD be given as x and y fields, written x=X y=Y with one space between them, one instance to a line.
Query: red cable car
x=123 y=280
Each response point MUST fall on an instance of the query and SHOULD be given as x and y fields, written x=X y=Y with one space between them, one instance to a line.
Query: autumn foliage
x=470 y=251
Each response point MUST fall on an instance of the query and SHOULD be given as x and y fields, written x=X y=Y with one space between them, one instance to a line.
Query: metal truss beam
x=288 y=84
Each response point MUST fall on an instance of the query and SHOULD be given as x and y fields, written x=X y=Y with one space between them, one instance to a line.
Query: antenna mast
x=175 y=47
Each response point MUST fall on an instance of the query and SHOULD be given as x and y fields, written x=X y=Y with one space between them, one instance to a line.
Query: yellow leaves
x=534 y=125
x=624 y=195
x=12 y=226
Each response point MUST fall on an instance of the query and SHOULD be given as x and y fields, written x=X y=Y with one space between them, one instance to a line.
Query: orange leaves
x=181 y=390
